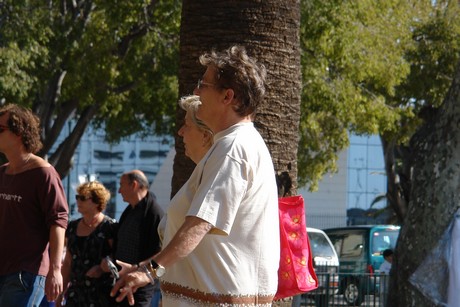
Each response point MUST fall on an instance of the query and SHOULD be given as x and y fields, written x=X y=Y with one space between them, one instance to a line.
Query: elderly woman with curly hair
x=89 y=240
x=197 y=137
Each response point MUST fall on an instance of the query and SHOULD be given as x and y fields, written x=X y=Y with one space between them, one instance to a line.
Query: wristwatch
x=156 y=269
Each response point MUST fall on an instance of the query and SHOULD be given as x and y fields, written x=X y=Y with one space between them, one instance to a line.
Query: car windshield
x=384 y=239
x=320 y=247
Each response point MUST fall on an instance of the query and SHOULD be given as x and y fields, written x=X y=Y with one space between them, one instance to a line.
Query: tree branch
x=59 y=121
x=62 y=157
x=138 y=30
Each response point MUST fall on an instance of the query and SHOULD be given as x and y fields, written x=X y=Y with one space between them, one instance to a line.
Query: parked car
x=360 y=255
x=326 y=265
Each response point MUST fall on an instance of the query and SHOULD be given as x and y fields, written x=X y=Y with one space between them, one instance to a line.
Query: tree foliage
x=367 y=66
x=110 y=62
x=370 y=67
x=436 y=51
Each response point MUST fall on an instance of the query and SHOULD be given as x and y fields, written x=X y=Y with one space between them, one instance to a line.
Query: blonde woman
x=197 y=137
x=89 y=240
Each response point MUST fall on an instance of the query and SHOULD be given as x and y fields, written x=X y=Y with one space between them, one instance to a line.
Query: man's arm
x=54 y=283
x=184 y=241
x=182 y=244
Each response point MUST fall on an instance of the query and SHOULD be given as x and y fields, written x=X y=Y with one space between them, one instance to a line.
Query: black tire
x=352 y=292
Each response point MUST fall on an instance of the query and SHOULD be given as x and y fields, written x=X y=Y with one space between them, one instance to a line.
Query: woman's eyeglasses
x=81 y=197
x=3 y=128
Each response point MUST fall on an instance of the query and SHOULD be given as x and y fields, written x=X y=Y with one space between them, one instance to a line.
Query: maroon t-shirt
x=30 y=203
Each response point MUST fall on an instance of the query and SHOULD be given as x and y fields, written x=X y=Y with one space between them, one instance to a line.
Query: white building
x=328 y=206
x=359 y=179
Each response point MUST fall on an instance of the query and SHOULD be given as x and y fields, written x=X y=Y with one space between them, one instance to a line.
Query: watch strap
x=154 y=264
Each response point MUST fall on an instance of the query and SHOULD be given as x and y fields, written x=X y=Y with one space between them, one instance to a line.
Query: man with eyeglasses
x=33 y=214
x=221 y=238
x=137 y=237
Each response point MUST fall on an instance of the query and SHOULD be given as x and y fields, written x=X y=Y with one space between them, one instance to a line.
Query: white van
x=326 y=264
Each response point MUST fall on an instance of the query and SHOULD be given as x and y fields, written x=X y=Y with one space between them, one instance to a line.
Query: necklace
x=93 y=222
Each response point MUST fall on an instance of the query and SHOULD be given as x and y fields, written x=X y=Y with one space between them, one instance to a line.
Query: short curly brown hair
x=95 y=191
x=25 y=124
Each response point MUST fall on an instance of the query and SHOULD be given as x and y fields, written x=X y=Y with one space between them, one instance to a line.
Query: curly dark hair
x=236 y=70
x=25 y=124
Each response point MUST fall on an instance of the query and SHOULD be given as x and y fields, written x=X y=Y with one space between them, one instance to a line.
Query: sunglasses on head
x=81 y=197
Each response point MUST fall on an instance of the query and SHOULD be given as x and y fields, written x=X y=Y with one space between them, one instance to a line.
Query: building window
x=366 y=172
x=149 y=154
x=108 y=155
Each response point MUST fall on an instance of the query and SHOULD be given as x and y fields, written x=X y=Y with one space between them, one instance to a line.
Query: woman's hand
x=128 y=284
x=104 y=265
x=95 y=272
x=126 y=268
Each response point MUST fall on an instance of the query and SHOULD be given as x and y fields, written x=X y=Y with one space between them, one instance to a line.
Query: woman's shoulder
x=72 y=228
x=73 y=223
x=109 y=225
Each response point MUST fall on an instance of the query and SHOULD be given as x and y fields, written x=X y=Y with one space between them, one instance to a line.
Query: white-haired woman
x=197 y=137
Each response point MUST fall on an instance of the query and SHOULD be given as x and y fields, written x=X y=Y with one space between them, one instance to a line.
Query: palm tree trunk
x=269 y=30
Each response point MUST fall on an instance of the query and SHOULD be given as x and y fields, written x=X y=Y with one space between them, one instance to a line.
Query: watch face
x=160 y=271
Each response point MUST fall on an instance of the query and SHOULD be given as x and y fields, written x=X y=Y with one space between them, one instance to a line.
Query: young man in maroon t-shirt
x=33 y=214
